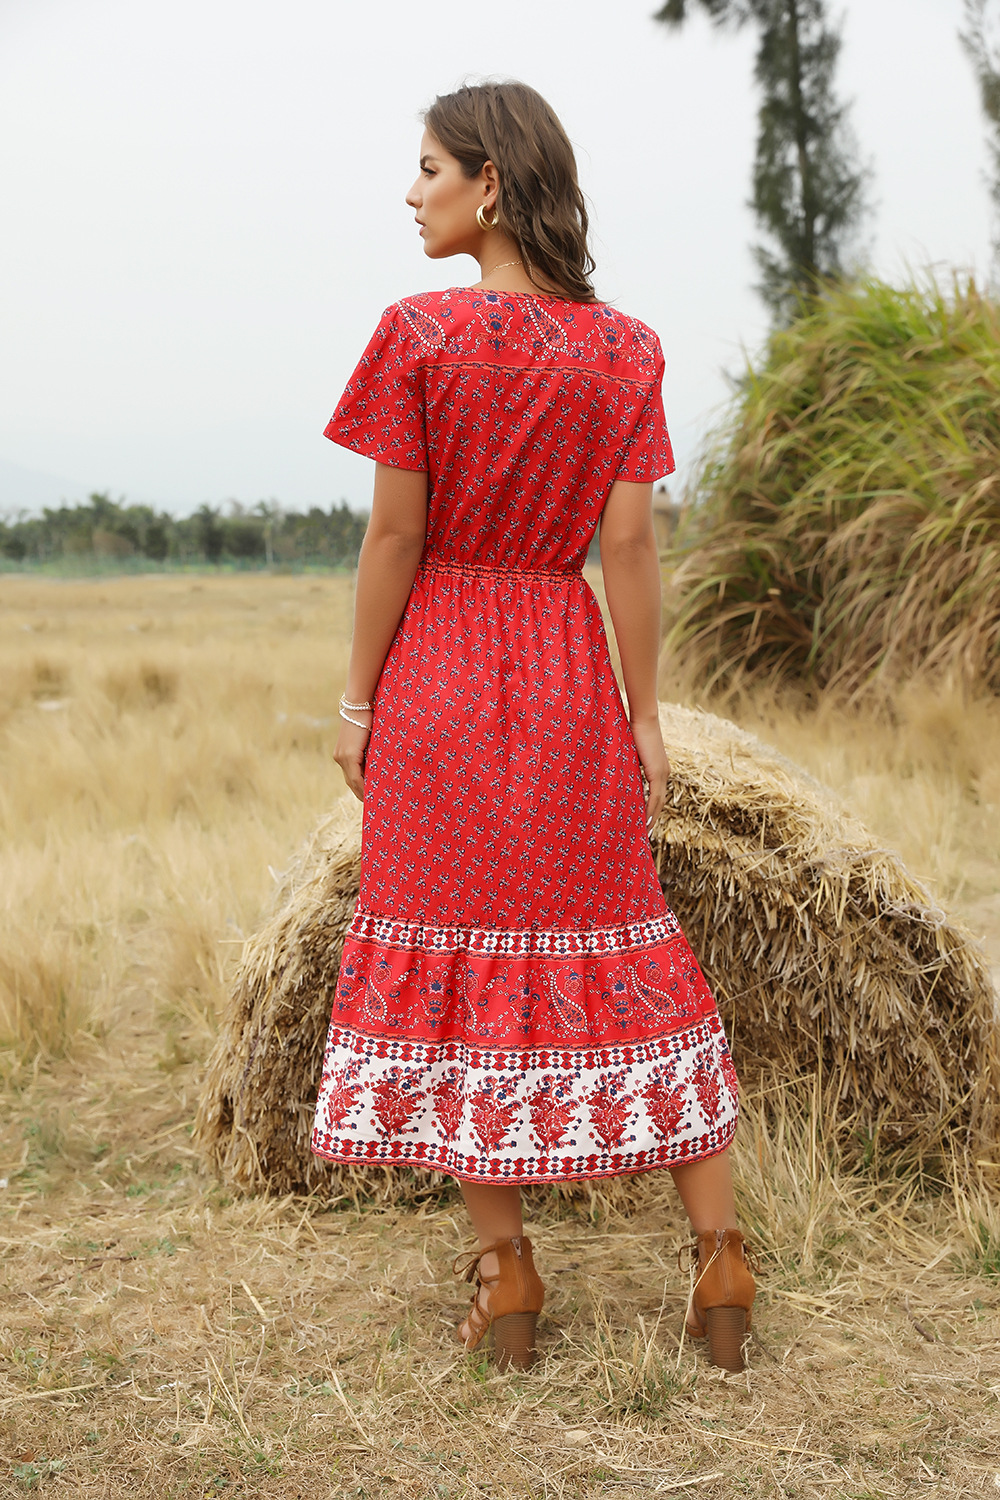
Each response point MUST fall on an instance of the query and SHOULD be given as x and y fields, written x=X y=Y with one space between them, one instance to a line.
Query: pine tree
x=808 y=191
x=985 y=60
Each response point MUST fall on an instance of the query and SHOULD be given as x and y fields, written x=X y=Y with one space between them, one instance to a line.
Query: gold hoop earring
x=482 y=221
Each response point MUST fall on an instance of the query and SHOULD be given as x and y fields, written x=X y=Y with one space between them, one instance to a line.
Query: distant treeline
x=113 y=531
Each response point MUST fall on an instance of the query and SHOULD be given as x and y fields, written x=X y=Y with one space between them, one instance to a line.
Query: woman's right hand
x=350 y=752
x=654 y=762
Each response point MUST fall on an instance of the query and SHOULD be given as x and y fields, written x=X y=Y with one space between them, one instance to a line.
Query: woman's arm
x=387 y=565
x=631 y=566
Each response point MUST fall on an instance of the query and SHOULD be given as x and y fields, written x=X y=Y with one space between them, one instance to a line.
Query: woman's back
x=523 y=409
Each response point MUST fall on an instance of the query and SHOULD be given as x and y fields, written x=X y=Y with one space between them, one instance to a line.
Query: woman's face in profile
x=445 y=201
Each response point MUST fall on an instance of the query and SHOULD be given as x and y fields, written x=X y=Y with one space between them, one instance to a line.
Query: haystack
x=843 y=531
x=826 y=956
x=824 y=953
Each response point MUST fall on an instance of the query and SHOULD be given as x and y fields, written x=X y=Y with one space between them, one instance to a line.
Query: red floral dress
x=516 y=1001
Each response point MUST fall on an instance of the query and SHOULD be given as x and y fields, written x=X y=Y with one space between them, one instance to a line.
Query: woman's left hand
x=350 y=753
x=655 y=765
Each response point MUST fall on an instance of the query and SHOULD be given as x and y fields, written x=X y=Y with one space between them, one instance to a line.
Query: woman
x=516 y=1003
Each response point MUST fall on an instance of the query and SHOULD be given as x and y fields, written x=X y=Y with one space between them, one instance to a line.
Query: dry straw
x=827 y=958
x=845 y=526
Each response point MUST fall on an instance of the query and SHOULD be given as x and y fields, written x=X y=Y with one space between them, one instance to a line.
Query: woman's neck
x=503 y=269
x=510 y=279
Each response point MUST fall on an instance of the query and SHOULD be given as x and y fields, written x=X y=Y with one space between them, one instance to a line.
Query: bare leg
x=706 y=1191
x=495 y=1211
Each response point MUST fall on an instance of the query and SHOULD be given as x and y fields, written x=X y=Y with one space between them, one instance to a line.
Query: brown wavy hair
x=539 y=201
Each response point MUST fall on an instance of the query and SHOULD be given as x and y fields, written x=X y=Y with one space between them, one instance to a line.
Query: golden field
x=165 y=745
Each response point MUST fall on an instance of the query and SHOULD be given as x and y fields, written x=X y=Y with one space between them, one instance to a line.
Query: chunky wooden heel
x=514 y=1297
x=513 y=1341
x=727 y=1331
x=722 y=1295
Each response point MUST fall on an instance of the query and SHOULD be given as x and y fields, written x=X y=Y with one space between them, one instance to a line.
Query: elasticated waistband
x=490 y=570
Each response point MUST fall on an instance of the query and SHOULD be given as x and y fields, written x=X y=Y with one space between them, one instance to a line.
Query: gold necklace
x=500 y=267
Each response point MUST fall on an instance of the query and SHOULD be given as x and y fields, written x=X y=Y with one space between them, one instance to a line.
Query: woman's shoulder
x=590 y=334
x=635 y=329
x=429 y=303
x=421 y=318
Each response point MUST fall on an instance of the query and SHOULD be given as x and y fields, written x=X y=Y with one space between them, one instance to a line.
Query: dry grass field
x=165 y=744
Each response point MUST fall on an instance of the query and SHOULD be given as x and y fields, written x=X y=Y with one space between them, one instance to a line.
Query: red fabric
x=515 y=999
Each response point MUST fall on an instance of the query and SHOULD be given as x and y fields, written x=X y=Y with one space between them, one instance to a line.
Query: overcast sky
x=204 y=216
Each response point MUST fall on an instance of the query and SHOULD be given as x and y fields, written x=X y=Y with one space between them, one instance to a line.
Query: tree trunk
x=805 y=166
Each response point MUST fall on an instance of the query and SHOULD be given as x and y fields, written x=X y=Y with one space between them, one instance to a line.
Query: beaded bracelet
x=348 y=704
x=359 y=722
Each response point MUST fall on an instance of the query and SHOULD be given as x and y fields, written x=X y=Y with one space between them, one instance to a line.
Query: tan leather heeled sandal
x=722 y=1295
x=513 y=1301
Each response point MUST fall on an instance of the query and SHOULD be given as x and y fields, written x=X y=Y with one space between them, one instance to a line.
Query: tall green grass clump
x=844 y=530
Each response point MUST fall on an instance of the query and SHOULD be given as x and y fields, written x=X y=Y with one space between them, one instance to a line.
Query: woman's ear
x=492 y=178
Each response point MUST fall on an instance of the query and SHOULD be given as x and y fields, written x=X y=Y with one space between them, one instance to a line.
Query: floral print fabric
x=515 y=999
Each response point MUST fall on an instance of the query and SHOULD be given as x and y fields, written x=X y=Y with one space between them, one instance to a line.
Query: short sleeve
x=647 y=453
x=381 y=413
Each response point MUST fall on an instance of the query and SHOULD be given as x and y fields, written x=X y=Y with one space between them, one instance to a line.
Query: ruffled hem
x=523 y=1056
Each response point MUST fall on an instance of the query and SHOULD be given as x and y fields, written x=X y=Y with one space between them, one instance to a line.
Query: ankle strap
x=471 y=1267
x=723 y=1238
